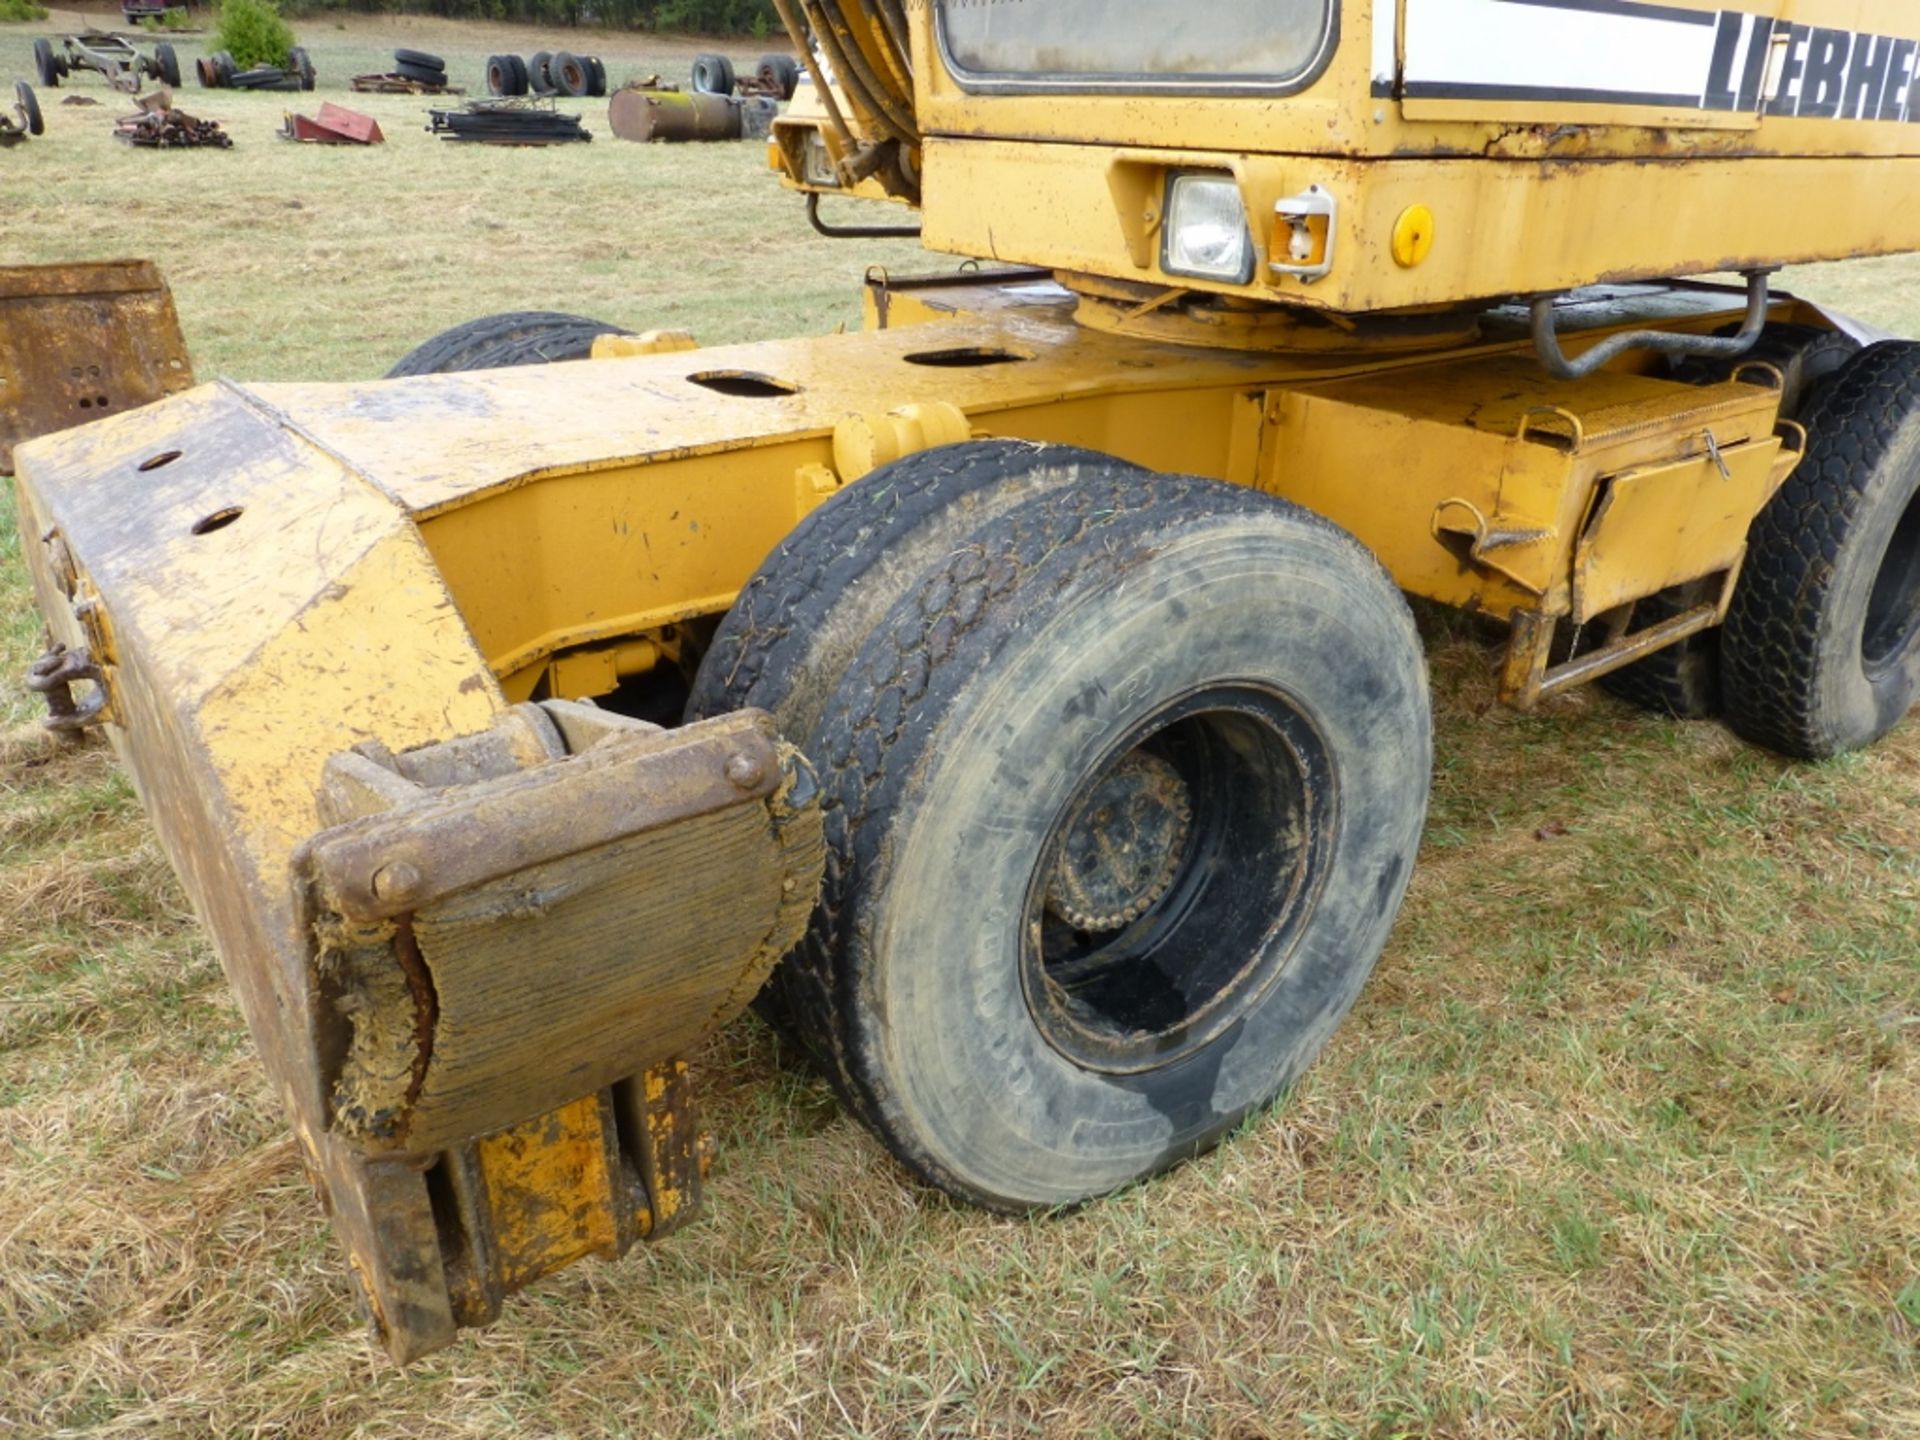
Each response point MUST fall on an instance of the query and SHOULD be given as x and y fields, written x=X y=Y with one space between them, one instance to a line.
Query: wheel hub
x=1122 y=845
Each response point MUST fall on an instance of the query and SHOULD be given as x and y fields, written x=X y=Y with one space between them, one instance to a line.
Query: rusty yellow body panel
x=1715 y=213
x=80 y=342
x=342 y=633
x=1547 y=146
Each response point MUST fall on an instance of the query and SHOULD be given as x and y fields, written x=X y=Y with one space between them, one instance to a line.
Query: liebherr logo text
x=1810 y=70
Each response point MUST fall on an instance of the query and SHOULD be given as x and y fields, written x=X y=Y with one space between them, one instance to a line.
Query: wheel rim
x=1200 y=839
x=1893 y=609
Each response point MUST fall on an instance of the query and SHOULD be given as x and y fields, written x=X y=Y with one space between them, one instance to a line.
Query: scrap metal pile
x=508 y=122
x=158 y=126
x=332 y=125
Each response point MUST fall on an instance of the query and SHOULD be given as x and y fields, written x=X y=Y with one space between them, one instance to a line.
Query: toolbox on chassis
x=1046 y=694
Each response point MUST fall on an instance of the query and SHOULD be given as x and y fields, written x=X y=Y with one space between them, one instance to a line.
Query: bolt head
x=397 y=883
x=745 y=771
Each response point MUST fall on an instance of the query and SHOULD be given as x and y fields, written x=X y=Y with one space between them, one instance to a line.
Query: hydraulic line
x=856 y=76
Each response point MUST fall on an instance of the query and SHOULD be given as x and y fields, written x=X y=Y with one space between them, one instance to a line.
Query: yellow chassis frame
x=266 y=576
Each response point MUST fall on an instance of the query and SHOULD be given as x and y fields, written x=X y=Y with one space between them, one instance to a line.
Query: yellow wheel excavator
x=1018 y=695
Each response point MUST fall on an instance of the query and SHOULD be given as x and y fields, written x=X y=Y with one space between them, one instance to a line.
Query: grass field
x=1621 y=1141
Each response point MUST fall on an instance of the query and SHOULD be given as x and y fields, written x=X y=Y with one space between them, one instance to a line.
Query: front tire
x=1122 y=795
x=1821 y=649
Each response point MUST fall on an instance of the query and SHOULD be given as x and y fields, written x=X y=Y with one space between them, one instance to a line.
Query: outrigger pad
x=81 y=342
x=514 y=937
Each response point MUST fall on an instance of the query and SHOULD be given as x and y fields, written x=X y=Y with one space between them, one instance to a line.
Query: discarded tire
x=301 y=65
x=265 y=77
x=517 y=337
x=538 y=80
x=421 y=59
x=597 y=83
x=1683 y=680
x=569 y=73
x=167 y=63
x=224 y=67
x=422 y=73
x=506 y=75
x=713 y=75
x=779 y=74
x=977 y=718
x=29 y=108
x=43 y=64
x=1820 y=653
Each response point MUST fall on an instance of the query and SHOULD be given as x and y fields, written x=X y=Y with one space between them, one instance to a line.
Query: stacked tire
x=419 y=65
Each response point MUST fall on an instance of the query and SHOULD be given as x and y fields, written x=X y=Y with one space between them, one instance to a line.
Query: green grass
x=1620 y=1141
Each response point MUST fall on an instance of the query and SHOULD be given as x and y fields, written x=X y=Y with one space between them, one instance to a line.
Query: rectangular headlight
x=1205 y=233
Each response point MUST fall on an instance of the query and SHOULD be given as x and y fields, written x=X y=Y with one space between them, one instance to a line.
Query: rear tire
x=493 y=342
x=43 y=64
x=1174 y=650
x=1683 y=680
x=1821 y=649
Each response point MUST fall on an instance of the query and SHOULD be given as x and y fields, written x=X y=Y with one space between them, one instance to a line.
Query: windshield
x=1171 y=45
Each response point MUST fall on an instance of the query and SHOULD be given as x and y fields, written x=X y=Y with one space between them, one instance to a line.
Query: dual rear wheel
x=1820 y=653
x=1124 y=774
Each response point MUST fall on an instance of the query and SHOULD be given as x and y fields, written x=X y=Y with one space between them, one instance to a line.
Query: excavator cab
x=1019 y=693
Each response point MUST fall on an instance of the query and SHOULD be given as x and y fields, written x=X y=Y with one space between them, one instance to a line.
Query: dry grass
x=1621 y=1141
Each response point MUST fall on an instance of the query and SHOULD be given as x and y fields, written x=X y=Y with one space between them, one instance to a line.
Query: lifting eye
x=218 y=520
x=966 y=356
x=746 y=384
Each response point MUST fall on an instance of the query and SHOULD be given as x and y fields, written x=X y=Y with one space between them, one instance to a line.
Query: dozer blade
x=78 y=342
x=472 y=940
